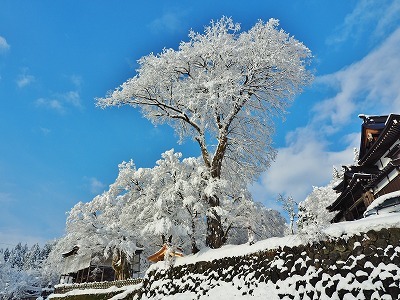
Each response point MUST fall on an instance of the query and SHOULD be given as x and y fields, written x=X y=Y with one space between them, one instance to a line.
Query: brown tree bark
x=120 y=265
x=215 y=233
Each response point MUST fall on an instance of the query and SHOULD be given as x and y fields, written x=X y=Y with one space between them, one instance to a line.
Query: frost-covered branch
x=226 y=85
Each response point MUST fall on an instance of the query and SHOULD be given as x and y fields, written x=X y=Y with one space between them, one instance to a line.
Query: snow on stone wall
x=363 y=266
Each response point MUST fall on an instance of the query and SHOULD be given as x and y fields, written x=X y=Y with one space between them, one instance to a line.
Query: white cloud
x=377 y=18
x=4 y=46
x=390 y=17
x=53 y=104
x=73 y=98
x=60 y=102
x=95 y=185
x=25 y=80
x=76 y=80
x=369 y=86
x=167 y=22
x=305 y=162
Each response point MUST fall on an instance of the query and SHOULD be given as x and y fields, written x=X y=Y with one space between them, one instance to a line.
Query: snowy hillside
x=356 y=260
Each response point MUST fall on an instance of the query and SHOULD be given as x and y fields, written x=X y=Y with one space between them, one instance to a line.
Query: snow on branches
x=313 y=215
x=225 y=85
x=150 y=206
x=22 y=273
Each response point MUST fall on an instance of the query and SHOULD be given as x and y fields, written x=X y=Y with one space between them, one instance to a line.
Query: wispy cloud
x=4 y=46
x=45 y=131
x=305 y=162
x=25 y=79
x=61 y=102
x=73 y=98
x=76 y=80
x=169 y=21
x=371 y=84
x=95 y=185
x=368 y=86
x=391 y=16
x=52 y=104
x=376 y=17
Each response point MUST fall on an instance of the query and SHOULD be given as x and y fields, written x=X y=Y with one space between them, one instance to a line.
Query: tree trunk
x=120 y=265
x=215 y=233
x=195 y=249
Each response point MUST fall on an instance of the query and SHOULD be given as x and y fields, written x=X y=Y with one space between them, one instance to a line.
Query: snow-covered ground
x=245 y=284
x=337 y=230
x=355 y=277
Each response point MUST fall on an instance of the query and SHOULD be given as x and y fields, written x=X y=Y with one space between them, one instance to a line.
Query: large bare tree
x=223 y=88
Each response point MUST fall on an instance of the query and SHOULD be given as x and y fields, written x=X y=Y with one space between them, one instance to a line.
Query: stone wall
x=364 y=266
x=64 y=288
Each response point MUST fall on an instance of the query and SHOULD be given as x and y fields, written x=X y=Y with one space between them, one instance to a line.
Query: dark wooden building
x=93 y=268
x=376 y=172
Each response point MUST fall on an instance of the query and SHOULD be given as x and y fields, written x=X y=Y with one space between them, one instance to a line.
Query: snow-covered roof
x=73 y=251
x=74 y=263
x=383 y=198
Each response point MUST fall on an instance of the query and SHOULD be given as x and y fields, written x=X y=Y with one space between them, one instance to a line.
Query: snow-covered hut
x=376 y=172
x=93 y=268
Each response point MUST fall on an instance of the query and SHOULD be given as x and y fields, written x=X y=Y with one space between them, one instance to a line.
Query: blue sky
x=57 y=148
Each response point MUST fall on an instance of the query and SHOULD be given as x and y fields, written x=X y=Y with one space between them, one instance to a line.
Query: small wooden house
x=377 y=171
x=92 y=268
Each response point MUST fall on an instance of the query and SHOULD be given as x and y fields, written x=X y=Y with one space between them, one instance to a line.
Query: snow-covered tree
x=141 y=205
x=17 y=256
x=174 y=194
x=313 y=215
x=6 y=254
x=94 y=228
x=256 y=222
x=224 y=90
x=21 y=272
x=33 y=258
x=16 y=284
x=290 y=207
x=163 y=204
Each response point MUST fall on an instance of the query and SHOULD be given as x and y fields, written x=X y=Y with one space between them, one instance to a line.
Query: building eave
x=354 y=185
x=389 y=134
x=384 y=172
